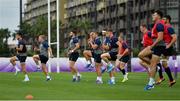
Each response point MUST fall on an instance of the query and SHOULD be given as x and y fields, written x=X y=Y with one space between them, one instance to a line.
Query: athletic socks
x=168 y=72
x=78 y=74
x=160 y=70
x=123 y=71
x=112 y=79
x=17 y=69
x=151 y=81
x=74 y=76
x=99 y=78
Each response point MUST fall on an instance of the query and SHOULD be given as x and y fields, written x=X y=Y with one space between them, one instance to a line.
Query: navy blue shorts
x=158 y=50
x=22 y=59
x=169 y=52
x=97 y=57
x=43 y=59
x=124 y=59
x=74 y=56
x=113 y=55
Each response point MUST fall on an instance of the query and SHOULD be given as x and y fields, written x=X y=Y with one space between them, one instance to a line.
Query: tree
x=4 y=35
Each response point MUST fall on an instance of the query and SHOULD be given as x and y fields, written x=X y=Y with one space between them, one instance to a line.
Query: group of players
x=112 y=50
x=158 y=43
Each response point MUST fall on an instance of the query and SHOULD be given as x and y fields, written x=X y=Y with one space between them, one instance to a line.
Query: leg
x=112 y=75
x=13 y=62
x=168 y=72
x=99 y=74
x=37 y=61
x=88 y=54
x=23 y=66
x=143 y=55
x=145 y=65
x=122 y=68
x=106 y=57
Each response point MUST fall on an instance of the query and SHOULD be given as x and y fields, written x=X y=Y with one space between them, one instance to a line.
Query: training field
x=61 y=88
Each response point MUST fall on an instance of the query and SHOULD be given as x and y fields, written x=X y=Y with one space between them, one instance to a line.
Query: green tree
x=4 y=35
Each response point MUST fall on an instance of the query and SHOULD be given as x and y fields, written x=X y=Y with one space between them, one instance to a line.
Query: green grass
x=61 y=88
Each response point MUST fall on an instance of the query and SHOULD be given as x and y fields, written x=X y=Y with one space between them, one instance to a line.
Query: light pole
x=20 y=12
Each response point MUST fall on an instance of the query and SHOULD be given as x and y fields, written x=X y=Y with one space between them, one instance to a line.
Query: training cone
x=29 y=97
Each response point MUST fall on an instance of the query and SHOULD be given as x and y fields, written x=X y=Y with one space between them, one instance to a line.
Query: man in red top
x=146 y=54
x=123 y=56
x=157 y=47
x=169 y=38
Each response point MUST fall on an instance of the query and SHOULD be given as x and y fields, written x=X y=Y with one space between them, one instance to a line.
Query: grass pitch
x=61 y=88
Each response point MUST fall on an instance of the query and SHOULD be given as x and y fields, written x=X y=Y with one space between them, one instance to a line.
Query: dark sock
x=160 y=70
x=123 y=71
x=168 y=72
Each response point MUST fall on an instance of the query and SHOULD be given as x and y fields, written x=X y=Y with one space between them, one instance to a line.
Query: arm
x=125 y=52
x=94 y=46
x=20 y=48
x=174 y=38
x=77 y=47
x=173 y=35
x=160 y=30
x=50 y=52
x=105 y=47
x=160 y=38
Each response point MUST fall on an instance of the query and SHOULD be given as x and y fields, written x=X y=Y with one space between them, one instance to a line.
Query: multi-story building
x=36 y=8
x=120 y=15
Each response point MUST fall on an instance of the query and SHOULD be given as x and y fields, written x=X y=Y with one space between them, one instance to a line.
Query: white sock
x=113 y=79
x=97 y=78
x=26 y=76
x=17 y=69
x=88 y=62
x=100 y=78
x=74 y=76
x=47 y=76
x=151 y=81
x=78 y=74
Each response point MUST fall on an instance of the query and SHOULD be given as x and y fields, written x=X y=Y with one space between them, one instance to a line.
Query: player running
x=169 y=38
x=89 y=53
x=21 y=56
x=43 y=57
x=146 y=54
x=123 y=57
x=112 y=47
x=97 y=51
x=73 y=53
x=157 y=46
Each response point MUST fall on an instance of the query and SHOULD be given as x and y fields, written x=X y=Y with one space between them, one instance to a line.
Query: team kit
x=158 y=44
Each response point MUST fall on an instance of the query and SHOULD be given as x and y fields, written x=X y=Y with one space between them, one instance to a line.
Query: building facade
x=121 y=15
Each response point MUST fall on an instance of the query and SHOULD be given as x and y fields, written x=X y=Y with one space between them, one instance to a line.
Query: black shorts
x=113 y=56
x=22 y=59
x=169 y=52
x=43 y=59
x=158 y=50
x=73 y=56
x=124 y=59
x=97 y=57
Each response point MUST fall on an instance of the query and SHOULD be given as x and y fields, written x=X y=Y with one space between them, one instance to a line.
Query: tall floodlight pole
x=57 y=11
x=20 y=12
x=49 y=32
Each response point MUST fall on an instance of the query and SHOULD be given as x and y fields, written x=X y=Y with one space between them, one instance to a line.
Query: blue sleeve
x=160 y=27
x=124 y=45
x=98 y=42
x=45 y=45
x=21 y=43
x=75 y=40
x=149 y=34
x=171 y=30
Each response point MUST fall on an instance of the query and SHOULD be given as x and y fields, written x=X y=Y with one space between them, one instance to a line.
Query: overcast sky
x=9 y=14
